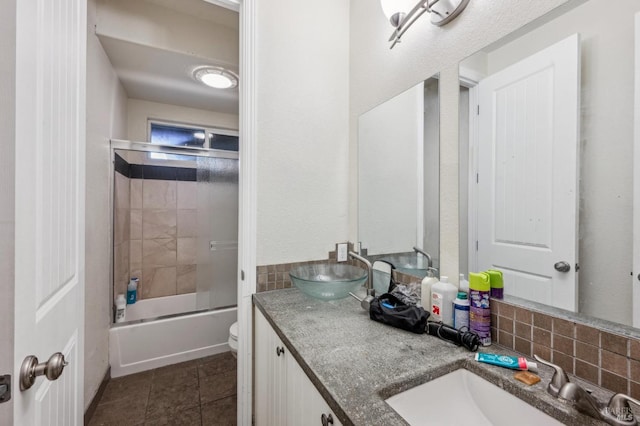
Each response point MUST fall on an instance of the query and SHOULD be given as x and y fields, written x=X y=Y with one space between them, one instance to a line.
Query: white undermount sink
x=463 y=398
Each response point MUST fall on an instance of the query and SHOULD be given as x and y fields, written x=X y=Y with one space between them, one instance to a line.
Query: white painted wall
x=302 y=64
x=151 y=24
x=605 y=247
x=7 y=192
x=391 y=138
x=139 y=112
x=106 y=118
x=378 y=73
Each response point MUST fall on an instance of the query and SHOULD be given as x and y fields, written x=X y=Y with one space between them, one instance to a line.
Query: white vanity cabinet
x=284 y=395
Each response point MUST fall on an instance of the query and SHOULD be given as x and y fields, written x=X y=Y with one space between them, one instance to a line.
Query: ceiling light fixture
x=216 y=77
x=401 y=17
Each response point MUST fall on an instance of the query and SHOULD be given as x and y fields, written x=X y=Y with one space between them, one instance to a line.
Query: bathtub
x=143 y=342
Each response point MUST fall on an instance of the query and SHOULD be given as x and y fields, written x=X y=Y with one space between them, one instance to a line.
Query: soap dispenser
x=425 y=289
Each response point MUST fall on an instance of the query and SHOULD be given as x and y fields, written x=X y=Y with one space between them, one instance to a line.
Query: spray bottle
x=480 y=311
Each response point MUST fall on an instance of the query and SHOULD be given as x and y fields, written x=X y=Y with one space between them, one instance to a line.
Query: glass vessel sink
x=412 y=264
x=327 y=281
x=463 y=398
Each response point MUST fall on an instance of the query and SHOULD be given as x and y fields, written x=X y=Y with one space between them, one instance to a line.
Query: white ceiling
x=158 y=74
x=202 y=9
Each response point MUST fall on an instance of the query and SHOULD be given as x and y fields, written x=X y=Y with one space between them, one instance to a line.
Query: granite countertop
x=357 y=363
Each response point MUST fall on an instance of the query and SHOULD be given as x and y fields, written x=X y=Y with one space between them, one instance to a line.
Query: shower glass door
x=217 y=184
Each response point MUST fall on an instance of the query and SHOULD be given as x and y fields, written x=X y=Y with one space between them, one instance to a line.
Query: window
x=224 y=142
x=179 y=136
x=193 y=136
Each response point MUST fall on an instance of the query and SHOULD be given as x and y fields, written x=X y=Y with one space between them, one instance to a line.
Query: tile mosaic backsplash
x=601 y=357
x=276 y=277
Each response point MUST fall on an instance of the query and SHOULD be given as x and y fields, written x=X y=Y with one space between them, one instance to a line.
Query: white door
x=635 y=278
x=527 y=174
x=49 y=236
x=305 y=405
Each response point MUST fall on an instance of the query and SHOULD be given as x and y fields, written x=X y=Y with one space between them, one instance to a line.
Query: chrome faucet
x=370 y=290
x=558 y=380
x=617 y=412
x=582 y=400
x=425 y=254
x=433 y=271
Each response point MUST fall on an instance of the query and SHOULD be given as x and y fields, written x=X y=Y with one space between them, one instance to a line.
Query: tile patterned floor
x=194 y=393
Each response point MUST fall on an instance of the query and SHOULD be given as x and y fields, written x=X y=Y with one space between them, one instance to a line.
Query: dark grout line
x=146 y=408
x=199 y=398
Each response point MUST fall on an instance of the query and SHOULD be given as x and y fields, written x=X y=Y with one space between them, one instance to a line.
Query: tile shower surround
x=161 y=229
x=609 y=360
x=121 y=232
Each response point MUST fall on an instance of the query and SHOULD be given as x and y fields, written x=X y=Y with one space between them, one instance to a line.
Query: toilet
x=233 y=339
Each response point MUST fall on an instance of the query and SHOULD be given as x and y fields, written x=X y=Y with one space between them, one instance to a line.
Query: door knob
x=30 y=369
x=562 y=266
x=326 y=420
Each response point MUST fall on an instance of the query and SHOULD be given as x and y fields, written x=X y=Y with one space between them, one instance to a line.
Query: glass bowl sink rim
x=309 y=273
x=327 y=281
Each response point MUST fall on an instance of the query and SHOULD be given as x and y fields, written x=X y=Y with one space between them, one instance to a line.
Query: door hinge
x=476 y=245
x=478 y=109
x=5 y=388
x=477 y=177
x=242 y=275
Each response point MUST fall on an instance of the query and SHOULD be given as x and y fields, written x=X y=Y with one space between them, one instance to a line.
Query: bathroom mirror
x=546 y=159
x=398 y=178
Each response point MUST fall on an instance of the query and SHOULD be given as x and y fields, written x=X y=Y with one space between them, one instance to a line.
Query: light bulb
x=216 y=77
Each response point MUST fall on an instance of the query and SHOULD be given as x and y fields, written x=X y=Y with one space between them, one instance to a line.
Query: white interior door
x=49 y=237
x=527 y=174
x=635 y=279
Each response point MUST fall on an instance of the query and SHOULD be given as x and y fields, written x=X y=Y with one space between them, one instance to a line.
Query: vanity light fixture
x=442 y=12
x=216 y=77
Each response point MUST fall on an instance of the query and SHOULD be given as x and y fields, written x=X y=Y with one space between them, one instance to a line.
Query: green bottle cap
x=495 y=278
x=462 y=295
x=479 y=281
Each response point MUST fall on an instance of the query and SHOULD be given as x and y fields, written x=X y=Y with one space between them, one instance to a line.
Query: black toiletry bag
x=397 y=314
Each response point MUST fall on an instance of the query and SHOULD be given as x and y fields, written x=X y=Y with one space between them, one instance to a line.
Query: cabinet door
x=284 y=395
x=270 y=374
x=305 y=405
